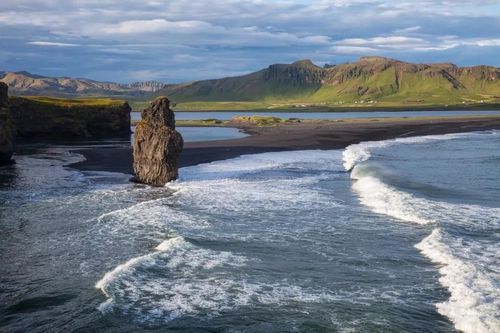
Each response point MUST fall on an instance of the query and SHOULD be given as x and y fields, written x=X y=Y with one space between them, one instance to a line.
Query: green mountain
x=298 y=80
x=369 y=80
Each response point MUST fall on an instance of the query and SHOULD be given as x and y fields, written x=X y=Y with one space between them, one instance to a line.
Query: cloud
x=357 y=50
x=408 y=30
x=44 y=43
x=395 y=44
x=191 y=39
x=487 y=42
x=135 y=27
x=199 y=33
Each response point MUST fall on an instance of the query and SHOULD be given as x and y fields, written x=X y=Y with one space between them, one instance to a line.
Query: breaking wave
x=467 y=265
x=184 y=275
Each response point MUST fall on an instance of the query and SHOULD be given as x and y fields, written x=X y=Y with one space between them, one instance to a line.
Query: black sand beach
x=300 y=136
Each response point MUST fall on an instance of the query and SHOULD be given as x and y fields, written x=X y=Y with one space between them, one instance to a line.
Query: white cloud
x=408 y=30
x=395 y=44
x=199 y=33
x=187 y=37
x=44 y=43
x=355 y=50
x=487 y=42
x=149 y=26
x=384 y=41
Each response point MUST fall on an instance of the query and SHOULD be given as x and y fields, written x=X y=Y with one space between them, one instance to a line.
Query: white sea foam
x=467 y=267
x=384 y=199
x=236 y=185
x=181 y=279
x=474 y=304
x=318 y=160
x=357 y=153
x=140 y=284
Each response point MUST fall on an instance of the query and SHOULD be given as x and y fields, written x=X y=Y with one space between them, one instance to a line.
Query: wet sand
x=299 y=136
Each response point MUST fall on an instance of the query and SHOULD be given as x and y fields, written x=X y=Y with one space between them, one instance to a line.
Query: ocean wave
x=467 y=266
x=385 y=199
x=148 y=285
x=318 y=160
x=180 y=279
x=474 y=304
x=361 y=152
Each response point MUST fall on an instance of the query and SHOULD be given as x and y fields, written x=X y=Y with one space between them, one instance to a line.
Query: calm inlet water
x=191 y=134
x=407 y=241
x=227 y=115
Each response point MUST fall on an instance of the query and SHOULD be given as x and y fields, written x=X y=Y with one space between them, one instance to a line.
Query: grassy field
x=138 y=105
x=64 y=102
x=304 y=106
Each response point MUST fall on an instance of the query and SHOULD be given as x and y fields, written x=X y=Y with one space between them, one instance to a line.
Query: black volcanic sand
x=300 y=136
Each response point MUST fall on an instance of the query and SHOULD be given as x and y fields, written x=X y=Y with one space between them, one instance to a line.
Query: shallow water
x=227 y=115
x=274 y=242
x=193 y=134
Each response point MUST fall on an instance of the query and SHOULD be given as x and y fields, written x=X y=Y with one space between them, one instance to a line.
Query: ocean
x=391 y=236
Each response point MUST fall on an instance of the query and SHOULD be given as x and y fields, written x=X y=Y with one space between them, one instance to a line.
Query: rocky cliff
x=51 y=117
x=157 y=145
x=7 y=129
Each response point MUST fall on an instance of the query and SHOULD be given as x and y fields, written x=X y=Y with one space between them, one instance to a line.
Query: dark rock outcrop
x=57 y=119
x=157 y=145
x=7 y=128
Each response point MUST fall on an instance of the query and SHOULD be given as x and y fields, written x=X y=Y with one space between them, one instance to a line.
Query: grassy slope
x=372 y=82
x=63 y=102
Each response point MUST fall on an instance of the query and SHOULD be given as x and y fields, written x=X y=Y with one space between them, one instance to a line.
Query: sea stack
x=7 y=129
x=157 y=145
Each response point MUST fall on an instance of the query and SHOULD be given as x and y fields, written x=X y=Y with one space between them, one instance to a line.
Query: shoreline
x=220 y=107
x=323 y=135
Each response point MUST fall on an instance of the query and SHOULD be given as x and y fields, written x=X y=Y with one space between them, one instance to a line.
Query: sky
x=184 y=40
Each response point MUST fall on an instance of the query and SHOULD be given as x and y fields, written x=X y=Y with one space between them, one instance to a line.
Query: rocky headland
x=7 y=129
x=62 y=118
x=157 y=145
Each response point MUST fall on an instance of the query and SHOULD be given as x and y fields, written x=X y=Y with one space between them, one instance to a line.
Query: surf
x=465 y=266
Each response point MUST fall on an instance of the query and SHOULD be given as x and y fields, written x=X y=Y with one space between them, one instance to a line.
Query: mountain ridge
x=371 y=79
x=25 y=83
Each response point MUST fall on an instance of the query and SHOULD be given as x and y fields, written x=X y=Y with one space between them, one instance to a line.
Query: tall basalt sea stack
x=157 y=145
x=7 y=128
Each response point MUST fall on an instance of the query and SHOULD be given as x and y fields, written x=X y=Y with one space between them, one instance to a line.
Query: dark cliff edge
x=60 y=118
x=7 y=129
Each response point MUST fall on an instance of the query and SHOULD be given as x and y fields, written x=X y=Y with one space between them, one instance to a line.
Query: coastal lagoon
x=389 y=236
x=193 y=134
x=227 y=115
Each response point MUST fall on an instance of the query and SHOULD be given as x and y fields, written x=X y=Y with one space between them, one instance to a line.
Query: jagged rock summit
x=7 y=129
x=157 y=145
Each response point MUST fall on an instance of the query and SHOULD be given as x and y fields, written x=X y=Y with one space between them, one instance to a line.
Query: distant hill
x=300 y=79
x=24 y=83
x=369 y=80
